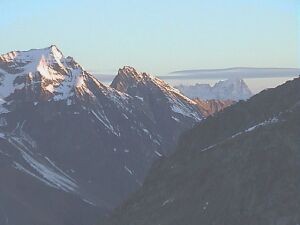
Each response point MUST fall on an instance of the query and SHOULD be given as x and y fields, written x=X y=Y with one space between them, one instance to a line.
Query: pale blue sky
x=157 y=36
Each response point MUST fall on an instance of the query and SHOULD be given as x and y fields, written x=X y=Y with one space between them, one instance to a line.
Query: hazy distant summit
x=234 y=89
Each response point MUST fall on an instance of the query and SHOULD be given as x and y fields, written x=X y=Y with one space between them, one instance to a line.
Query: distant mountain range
x=72 y=148
x=271 y=77
x=240 y=166
x=234 y=89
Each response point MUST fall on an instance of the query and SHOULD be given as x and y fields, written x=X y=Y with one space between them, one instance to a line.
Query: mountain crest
x=150 y=89
x=49 y=53
x=128 y=72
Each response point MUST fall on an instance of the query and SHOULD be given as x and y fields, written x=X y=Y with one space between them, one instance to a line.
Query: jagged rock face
x=239 y=166
x=210 y=107
x=162 y=103
x=89 y=145
x=231 y=89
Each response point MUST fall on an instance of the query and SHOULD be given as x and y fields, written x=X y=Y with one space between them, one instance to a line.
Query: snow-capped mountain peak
x=19 y=60
x=41 y=74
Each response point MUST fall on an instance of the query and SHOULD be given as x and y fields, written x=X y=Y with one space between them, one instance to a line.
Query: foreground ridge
x=236 y=167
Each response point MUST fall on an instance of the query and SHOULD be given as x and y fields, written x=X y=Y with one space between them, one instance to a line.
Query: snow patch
x=250 y=129
x=128 y=170
x=176 y=119
x=103 y=119
x=159 y=154
x=140 y=98
x=168 y=201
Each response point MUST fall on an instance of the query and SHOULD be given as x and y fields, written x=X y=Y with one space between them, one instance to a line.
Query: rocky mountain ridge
x=75 y=143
